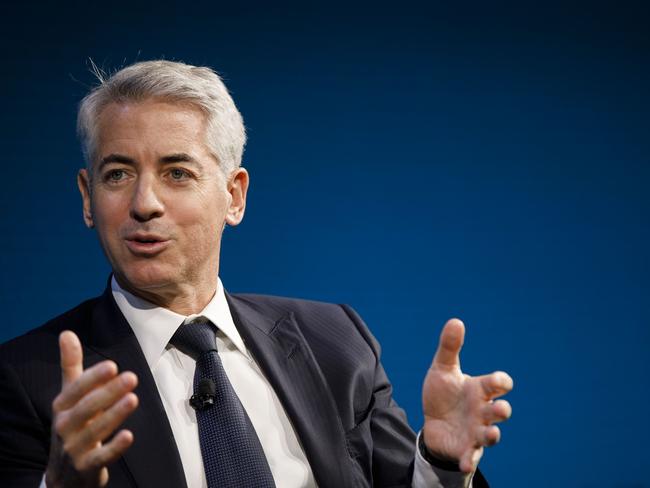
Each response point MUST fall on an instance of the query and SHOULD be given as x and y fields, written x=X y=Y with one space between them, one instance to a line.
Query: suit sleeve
x=24 y=441
x=393 y=440
x=391 y=436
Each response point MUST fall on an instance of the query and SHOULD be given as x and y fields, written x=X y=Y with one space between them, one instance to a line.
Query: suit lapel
x=153 y=459
x=283 y=354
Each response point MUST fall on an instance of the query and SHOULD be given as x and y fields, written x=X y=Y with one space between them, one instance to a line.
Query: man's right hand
x=91 y=406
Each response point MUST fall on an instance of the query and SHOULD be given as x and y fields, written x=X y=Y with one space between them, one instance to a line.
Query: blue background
x=418 y=161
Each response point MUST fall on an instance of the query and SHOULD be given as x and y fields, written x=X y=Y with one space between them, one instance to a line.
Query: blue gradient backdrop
x=418 y=161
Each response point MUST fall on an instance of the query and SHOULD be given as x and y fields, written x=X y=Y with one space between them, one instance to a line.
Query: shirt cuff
x=429 y=476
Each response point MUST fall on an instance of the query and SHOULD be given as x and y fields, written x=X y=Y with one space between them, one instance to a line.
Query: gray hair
x=174 y=82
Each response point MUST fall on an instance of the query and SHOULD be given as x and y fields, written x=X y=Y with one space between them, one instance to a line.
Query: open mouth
x=146 y=245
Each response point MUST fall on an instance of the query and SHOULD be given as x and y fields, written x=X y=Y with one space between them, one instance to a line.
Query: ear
x=237 y=187
x=83 y=182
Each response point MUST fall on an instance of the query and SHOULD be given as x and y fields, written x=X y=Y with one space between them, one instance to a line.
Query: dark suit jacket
x=320 y=358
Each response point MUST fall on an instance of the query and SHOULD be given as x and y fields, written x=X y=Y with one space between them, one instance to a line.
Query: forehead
x=151 y=126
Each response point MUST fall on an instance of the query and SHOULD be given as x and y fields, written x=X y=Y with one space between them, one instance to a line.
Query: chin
x=147 y=278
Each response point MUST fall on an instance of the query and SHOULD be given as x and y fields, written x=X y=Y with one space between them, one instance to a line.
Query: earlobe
x=83 y=182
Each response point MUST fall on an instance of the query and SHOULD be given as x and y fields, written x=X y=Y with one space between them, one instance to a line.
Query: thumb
x=71 y=356
x=451 y=341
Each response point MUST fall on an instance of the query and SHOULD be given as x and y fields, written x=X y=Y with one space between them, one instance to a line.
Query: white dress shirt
x=173 y=373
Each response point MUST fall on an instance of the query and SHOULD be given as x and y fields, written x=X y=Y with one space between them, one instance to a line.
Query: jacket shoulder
x=38 y=343
x=282 y=305
x=30 y=377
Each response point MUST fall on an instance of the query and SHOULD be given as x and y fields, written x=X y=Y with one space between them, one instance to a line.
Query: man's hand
x=459 y=410
x=90 y=407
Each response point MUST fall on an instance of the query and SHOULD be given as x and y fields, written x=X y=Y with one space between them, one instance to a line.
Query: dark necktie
x=232 y=453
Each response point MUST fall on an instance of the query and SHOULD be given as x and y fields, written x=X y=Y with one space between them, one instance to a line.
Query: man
x=284 y=392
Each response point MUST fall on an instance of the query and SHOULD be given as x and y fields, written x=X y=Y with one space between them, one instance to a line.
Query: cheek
x=201 y=242
x=201 y=220
x=109 y=210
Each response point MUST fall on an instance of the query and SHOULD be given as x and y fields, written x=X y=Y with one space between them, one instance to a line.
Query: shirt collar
x=154 y=326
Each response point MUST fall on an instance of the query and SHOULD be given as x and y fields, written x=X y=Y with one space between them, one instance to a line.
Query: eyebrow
x=178 y=158
x=115 y=158
x=169 y=159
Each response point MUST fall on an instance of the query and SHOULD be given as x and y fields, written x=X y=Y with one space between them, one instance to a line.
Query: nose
x=146 y=203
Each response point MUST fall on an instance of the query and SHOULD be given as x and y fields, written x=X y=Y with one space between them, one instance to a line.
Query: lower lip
x=146 y=248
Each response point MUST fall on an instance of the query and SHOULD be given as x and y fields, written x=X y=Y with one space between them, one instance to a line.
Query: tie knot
x=195 y=338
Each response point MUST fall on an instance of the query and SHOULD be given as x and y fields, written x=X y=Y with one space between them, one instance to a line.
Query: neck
x=182 y=299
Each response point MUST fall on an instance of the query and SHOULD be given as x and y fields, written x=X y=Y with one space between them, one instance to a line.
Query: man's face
x=157 y=197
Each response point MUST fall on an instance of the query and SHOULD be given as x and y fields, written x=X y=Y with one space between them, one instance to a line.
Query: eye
x=178 y=174
x=115 y=175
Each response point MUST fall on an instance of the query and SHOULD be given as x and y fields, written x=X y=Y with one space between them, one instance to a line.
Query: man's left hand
x=460 y=410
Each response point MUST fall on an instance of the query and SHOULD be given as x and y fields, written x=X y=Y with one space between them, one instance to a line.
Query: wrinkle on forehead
x=153 y=128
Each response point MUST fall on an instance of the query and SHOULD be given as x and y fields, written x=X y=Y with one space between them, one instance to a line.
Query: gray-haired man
x=163 y=143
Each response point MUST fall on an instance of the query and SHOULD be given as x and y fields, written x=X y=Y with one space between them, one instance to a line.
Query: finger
x=71 y=356
x=490 y=435
x=90 y=379
x=469 y=460
x=95 y=402
x=451 y=341
x=496 y=384
x=107 y=453
x=102 y=427
x=498 y=411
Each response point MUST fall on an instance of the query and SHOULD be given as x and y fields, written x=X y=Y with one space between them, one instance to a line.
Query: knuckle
x=77 y=411
x=118 y=386
x=487 y=412
x=87 y=405
x=57 y=403
x=61 y=423
x=108 y=391
x=90 y=432
x=114 y=417
x=488 y=383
